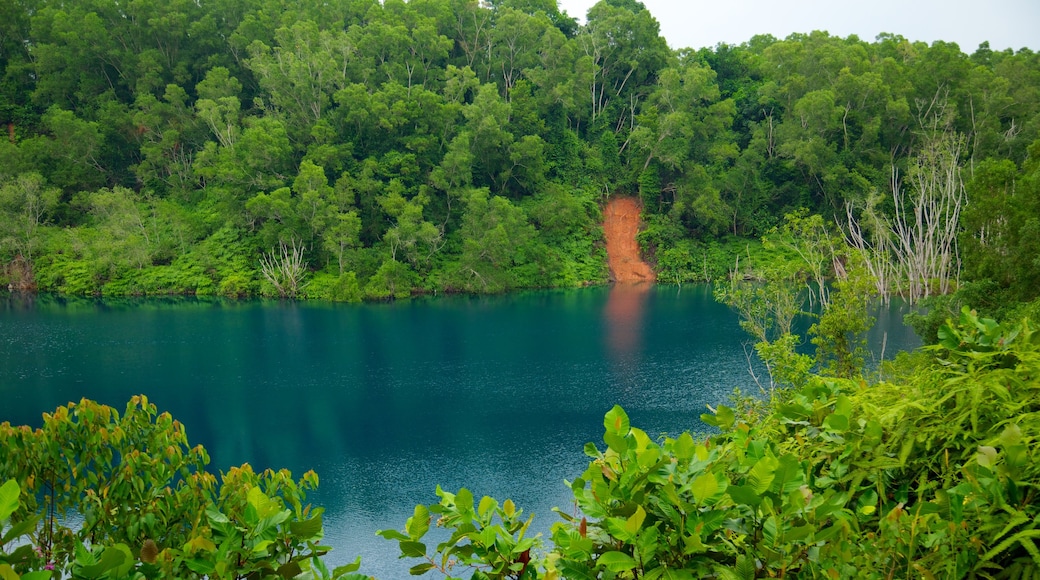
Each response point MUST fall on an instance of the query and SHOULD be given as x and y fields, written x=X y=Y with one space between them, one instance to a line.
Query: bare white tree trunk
x=285 y=269
x=915 y=253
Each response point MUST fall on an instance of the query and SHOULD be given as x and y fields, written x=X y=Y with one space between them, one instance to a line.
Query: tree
x=496 y=239
x=285 y=269
x=25 y=204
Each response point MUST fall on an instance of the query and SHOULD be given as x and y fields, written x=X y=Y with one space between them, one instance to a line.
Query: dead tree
x=285 y=268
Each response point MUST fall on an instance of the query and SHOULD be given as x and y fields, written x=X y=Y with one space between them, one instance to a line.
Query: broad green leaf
x=411 y=549
x=264 y=506
x=215 y=516
x=635 y=521
x=834 y=422
x=420 y=569
x=616 y=421
x=745 y=568
x=1011 y=435
x=307 y=529
x=392 y=535
x=347 y=568
x=8 y=499
x=703 y=487
x=419 y=523
x=618 y=443
x=843 y=406
x=486 y=505
x=110 y=559
x=725 y=418
x=290 y=570
x=684 y=446
x=617 y=561
x=986 y=456
x=744 y=495
x=642 y=439
x=762 y=474
x=464 y=500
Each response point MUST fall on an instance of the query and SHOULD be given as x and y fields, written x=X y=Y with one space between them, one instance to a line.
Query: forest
x=365 y=150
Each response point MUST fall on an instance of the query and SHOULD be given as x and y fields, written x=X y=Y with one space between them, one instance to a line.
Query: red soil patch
x=620 y=226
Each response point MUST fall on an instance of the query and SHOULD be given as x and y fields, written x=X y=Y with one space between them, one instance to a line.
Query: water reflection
x=624 y=315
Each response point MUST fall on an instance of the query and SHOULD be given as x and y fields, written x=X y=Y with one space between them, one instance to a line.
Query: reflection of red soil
x=620 y=226
x=624 y=317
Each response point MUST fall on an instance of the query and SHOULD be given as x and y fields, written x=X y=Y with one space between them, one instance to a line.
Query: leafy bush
x=935 y=477
x=148 y=507
x=334 y=287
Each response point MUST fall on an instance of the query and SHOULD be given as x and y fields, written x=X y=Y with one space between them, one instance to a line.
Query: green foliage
x=931 y=477
x=486 y=537
x=341 y=288
x=140 y=131
x=149 y=509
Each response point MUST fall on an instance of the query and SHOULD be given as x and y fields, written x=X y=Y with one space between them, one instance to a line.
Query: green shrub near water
x=935 y=477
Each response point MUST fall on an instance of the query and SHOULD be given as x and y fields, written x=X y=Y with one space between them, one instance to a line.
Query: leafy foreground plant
x=935 y=478
x=148 y=507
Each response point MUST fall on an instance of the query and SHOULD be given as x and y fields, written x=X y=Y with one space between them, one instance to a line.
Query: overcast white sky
x=698 y=23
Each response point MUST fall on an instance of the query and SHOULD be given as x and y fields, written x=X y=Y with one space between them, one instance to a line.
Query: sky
x=695 y=24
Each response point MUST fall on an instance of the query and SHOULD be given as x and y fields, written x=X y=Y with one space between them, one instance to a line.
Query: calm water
x=386 y=401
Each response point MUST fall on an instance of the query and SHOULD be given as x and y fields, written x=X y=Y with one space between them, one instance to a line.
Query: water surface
x=385 y=401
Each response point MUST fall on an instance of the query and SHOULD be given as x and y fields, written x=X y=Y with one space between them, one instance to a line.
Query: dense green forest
x=358 y=149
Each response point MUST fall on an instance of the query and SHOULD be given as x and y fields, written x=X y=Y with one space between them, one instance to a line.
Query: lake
x=385 y=401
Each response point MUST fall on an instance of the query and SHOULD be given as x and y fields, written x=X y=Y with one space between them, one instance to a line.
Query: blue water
x=385 y=401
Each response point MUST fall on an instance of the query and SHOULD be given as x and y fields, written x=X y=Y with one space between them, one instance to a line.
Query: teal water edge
x=385 y=401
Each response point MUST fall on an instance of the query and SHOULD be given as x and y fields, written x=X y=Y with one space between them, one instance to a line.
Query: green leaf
x=986 y=456
x=392 y=535
x=762 y=474
x=8 y=499
x=703 y=487
x=419 y=523
x=110 y=560
x=26 y=526
x=411 y=549
x=487 y=504
x=684 y=446
x=616 y=421
x=347 y=568
x=635 y=521
x=745 y=568
x=744 y=495
x=290 y=570
x=1011 y=435
x=839 y=423
x=464 y=500
x=617 y=562
x=724 y=417
x=618 y=443
x=420 y=569
x=306 y=529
